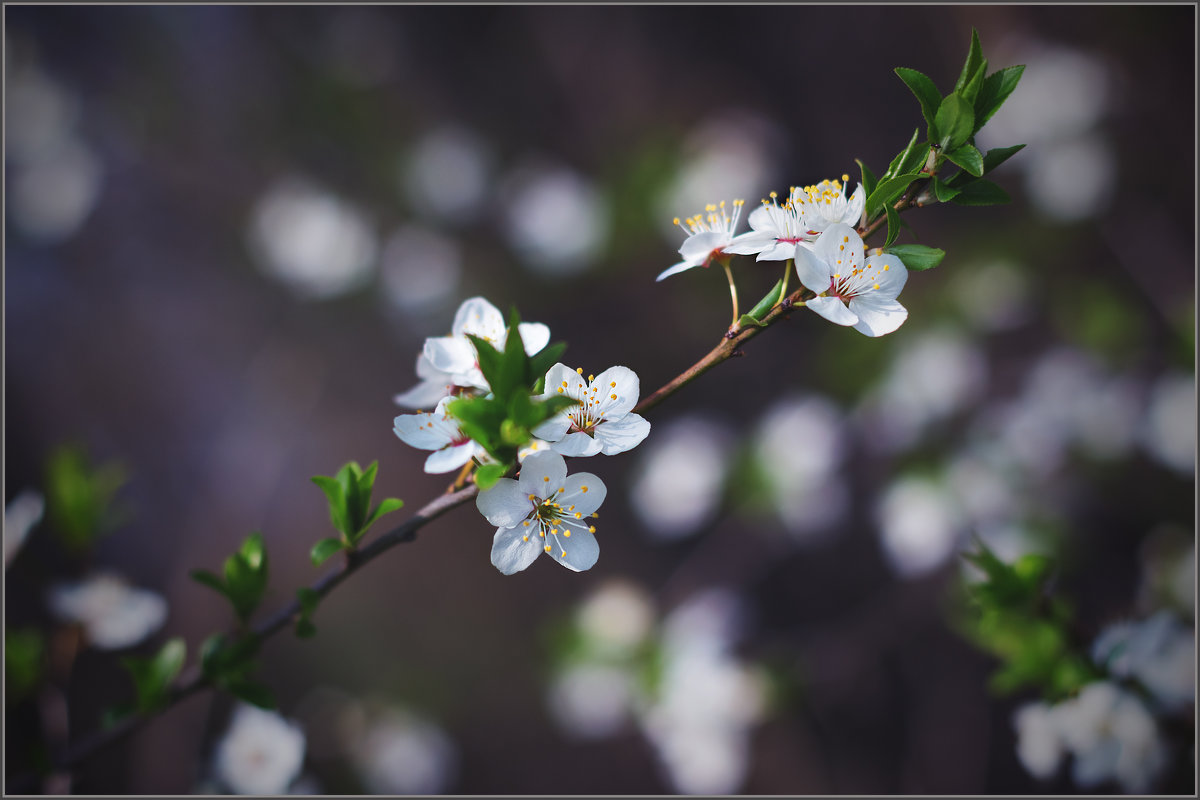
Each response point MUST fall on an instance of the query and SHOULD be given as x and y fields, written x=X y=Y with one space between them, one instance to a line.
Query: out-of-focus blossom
x=1040 y=745
x=21 y=515
x=454 y=355
x=544 y=510
x=446 y=174
x=114 y=615
x=851 y=290
x=439 y=432
x=1159 y=652
x=51 y=194
x=1072 y=179
x=800 y=444
x=1169 y=430
x=261 y=752
x=313 y=241
x=402 y=753
x=933 y=375
x=994 y=295
x=592 y=700
x=603 y=421
x=419 y=268
x=617 y=618
x=677 y=484
x=920 y=526
x=556 y=220
x=708 y=236
x=40 y=114
x=1112 y=737
x=1169 y=570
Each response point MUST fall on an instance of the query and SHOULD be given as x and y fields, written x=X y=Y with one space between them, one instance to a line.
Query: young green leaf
x=350 y=477
x=336 y=496
x=893 y=225
x=998 y=155
x=995 y=90
x=967 y=157
x=954 y=122
x=490 y=360
x=540 y=363
x=926 y=92
x=206 y=578
x=768 y=301
x=308 y=599
x=487 y=475
x=905 y=161
x=917 y=257
x=386 y=506
x=152 y=676
x=971 y=65
x=943 y=191
x=981 y=192
x=868 y=179
x=324 y=549
x=889 y=191
x=971 y=90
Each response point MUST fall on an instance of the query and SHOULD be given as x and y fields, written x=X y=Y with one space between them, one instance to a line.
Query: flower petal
x=854 y=206
x=424 y=431
x=814 y=273
x=750 y=243
x=584 y=491
x=449 y=458
x=553 y=429
x=890 y=274
x=622 y=434
x=833 y=310
x=424 y=394
x=505 y=504
x=876 y=315
x=534 y=335
x=682 y=266
x=841 y=248
x=479 y=317
x=511 y=552
x=620 y=381
x=698 y=246
x=576 y=552
x=451 y=354
x=576 y=445
x=778 y=251
x=542 y=473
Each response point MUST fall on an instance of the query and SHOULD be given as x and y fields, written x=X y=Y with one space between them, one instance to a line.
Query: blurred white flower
x=995 y=295
x=402 y=753
x=800 y=443
x=1040 y=745
x=592 y=700
x=1072 y=179
x=446 y=174
x=678 y=481
x=1159 y=652
x=53 y=192
x=420 y=268
x=556 y=220
x=616 y=618
x=21 y=515
x=1168 y=431
x=920 y=525
x=260 y=753
x=40 y=114
x=603 y=421
x=316 y=243
x=1112 y=737
x=113 y=614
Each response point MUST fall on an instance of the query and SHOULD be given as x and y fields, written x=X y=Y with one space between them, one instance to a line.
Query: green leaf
x=80 y=497
x=480 y=418
x=971 y=90
x=487 y=475
x=943 y=191
x=309 y=599
x=514 y=433
x=305 y=629
x=336 y=496
x=967 y=157
x=253 y=552
x=868 y=179
x=540 y=363
x=972 y=64
x=23 y=654
x=246 y=576
x=322 y=550
x=998 y=155
x=768 y=301
x=747 y=321
x=917 y=257
x=893 y=225
x=357 y=498
x=206 y=578
x=903 y=162
x=925 y=90
x=888 y=191
x=981 y=192
x=252 y=692
x=995 y=90
x=954 y=122
x=386 y=506
x=152 y=676
x=490 y=360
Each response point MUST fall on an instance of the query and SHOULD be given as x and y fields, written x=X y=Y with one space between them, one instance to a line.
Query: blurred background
x=229 y=230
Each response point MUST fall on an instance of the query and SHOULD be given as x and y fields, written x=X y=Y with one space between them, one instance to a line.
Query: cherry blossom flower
x=851 y=291
x=261 y=753
x=439 y=432
x=1113 y=737
x=776 y=231
x=544 y=510
x=114 y=615
x=434 y=385
x=709 y=234
x=603 y=421
x=826 y=204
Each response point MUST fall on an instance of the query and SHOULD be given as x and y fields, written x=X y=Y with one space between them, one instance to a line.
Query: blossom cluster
x=543 y=510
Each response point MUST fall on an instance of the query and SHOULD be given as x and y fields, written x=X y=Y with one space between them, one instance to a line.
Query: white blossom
x=1112 y=737
x=1159 y=652
x=402 y=753
x=851 y=291
x=709 y=234
x=454 y=355
x=603 y=421
x=1040 y=745
x=261 y=752
x=113 y=614
x=439 y=432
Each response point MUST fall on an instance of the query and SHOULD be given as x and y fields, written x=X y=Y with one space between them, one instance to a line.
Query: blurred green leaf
x=954 y=122
x=80 y=497
x=541 y=363
x=917 y=257
x=308 y=599
x=926 y=92
x=386 y=506
x=324 y=549
x=981 y=192
x=23 y=654
x=967 y=157
x=995 y=90
x=252 y=692
x=487 y=475
x=152 y=676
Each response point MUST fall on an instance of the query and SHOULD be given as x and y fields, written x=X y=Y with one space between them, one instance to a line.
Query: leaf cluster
x=227 y=662
x=79 y=497
x=503 y=421
x=152 y=676
x=349 y=496
x=1013 y=614
x=245 y=577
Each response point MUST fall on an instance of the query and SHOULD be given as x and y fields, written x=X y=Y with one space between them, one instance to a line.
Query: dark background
x=148 y=334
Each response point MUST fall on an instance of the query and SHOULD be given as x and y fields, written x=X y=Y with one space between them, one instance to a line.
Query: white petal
x=449 y=458
x=511 y=552
x=890 y=280
x=813 y=272
x=423 y=431
x=854 y=206
x=697 y=247
x=542 y=473
x=623 y=434
x=424 y=395
x=877 y=316
x=576 y=552
x=778 y=251
x=452 y=354
x=479 y=317
x=841 y=248
x=762 y=221
x=504 y=504
x=584 y=491
x=833 y=310
x=553 y=429
x=534 y=335
x=750 y=243
x=682 y=266
x=576 y=445
x=622 y=382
